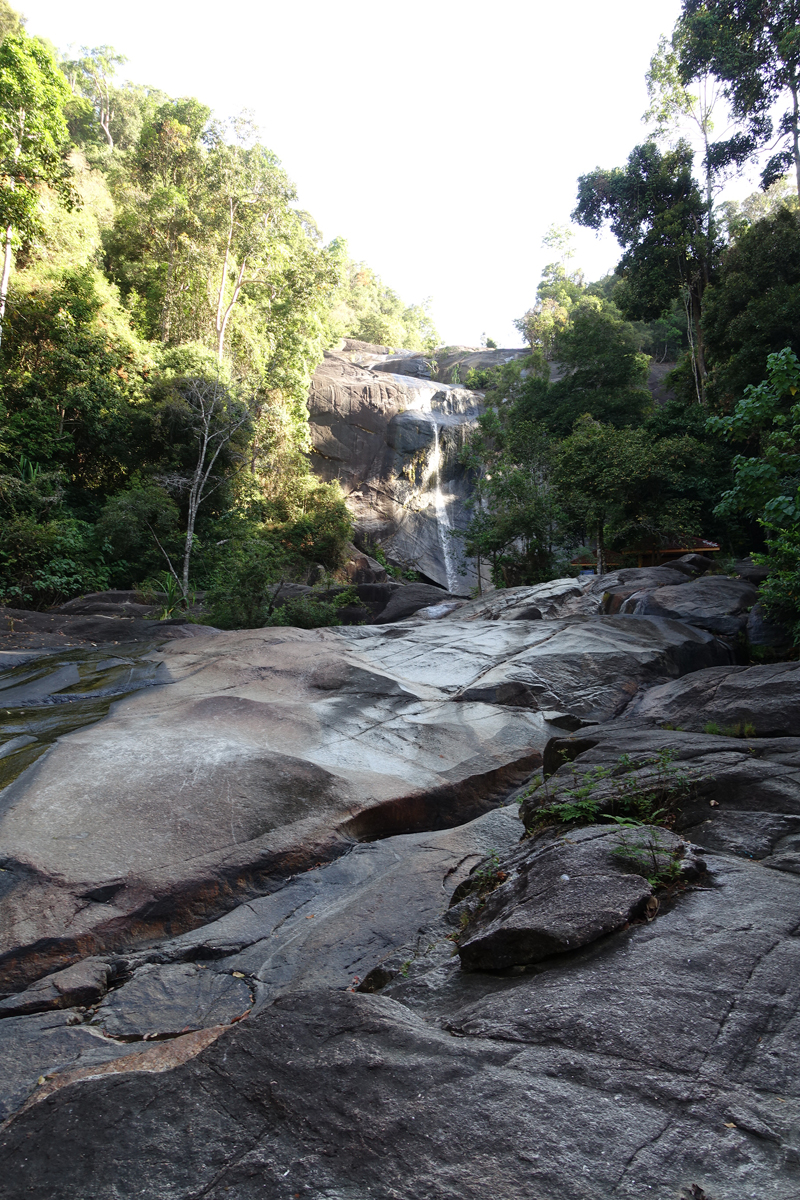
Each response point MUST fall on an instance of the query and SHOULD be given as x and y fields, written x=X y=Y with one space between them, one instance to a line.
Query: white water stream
x=442 y=519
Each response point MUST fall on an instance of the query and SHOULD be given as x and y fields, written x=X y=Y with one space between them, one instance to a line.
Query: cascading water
x=442 y=520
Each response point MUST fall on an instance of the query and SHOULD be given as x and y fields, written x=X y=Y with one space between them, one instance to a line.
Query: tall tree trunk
x=8 y=255
x=601 y=549
x=793 y=86
x=223 y=326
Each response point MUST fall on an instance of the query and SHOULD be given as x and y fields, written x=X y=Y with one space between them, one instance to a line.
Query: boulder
x=733 y=795
x=104 y=623
x=360 y=568
x=410 y=599
x=114 y=604
x=754 y=573
x=542 y=601
x=405 y=364
x=762 y=630
x=714 y=602
x=690 y=564
x=568 y=892
x=763 y=701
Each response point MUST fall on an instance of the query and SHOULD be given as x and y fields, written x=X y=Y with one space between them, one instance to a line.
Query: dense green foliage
x=767 y=481
x=753 y=48
x=573 y=457
x=167 y=302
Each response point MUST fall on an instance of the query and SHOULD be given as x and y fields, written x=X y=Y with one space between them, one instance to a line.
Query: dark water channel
x=45 y=694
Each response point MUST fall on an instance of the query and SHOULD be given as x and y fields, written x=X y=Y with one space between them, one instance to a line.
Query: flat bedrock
x=273 y=749
x=191 y=887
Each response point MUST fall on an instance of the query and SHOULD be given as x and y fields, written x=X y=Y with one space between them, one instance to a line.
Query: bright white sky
x=441 y=138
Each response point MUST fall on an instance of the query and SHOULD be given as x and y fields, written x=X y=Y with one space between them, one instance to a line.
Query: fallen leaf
x=730 y=1125
x=238 y=974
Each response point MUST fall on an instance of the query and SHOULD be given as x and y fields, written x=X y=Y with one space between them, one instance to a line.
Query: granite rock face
x=716 y=603
x=392 y=441
x=764 y=700
x=258 y=888
x=657 y=1060
x=561 y=895
x=272 y=748
x=389 y=424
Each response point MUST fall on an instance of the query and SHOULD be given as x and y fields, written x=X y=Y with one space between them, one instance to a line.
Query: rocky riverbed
x=268 y=926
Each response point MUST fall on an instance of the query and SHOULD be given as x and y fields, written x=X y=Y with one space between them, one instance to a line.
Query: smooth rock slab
x=329 y=926
x=165 y=1001
x=274 y=749
x=562 y=895
x=36 y=1047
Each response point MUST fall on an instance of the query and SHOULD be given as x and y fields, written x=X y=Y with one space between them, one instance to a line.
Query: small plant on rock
x=489 y=876
x=628 y=792
x=651 y=855
x=742 y=729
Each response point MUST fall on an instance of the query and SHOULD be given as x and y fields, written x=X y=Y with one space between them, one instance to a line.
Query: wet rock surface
x=44 y=696
x=628 y=1030
x=391 y=437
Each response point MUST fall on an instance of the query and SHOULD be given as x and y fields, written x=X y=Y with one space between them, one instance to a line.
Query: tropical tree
x=675 y=107
x=33 y=141
x=767 y=483
x=658 y=215
x=92 y=76
x=213 y=421
x=249 y=195
x=753 y=48
x=10 y=20
x=752 y=309
x=624 y=488
x=603 y=372
x=514 y=523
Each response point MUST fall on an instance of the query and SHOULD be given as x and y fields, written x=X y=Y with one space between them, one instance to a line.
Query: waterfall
x=442 y=522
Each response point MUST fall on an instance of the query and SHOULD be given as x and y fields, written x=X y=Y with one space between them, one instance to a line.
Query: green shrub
x=646 y=850
x=44 y=563
x=242 y=590
x=307 y=612
x=742 y=729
